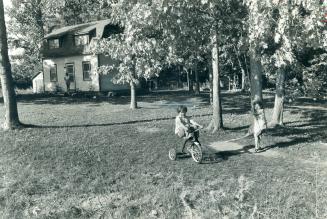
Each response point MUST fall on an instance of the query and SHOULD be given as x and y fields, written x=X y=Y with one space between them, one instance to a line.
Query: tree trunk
x=229 y=83
x=9 y=96
x=277 y=117
x=234 y=82
x=256 y=94
x=197 y=82
x=243 y=80
x=180 y=83
x=217 y=120
x=190 y=80
x=242 y=69
x=133 y=95
x=211 y=86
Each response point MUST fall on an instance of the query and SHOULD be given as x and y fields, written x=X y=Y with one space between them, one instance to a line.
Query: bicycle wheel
x=196 y=152
x=187 y=146
x=172 y=154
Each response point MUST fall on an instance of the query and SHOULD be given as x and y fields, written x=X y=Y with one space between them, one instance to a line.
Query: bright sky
x=6 y=3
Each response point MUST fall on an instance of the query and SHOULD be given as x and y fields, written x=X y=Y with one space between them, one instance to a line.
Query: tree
x=257 y=33
x=189 y=29
x=289 y=22
x=29 y=22
x=136 y=50
x=9 y=96
x=217 y=120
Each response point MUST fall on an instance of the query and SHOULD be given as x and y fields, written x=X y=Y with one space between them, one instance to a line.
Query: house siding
x=38 y=83
x=106 y=83
x=79 y=84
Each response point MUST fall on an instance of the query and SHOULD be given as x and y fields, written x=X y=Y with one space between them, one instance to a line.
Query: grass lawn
x=95 y=158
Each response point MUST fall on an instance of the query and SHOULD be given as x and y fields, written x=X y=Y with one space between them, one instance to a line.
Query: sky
x=6 y=3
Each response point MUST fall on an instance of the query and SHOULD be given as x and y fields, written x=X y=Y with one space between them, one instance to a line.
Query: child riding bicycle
x=184 y=126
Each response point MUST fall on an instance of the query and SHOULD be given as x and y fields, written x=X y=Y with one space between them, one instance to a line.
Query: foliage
x=315 y=77
x=26 y=30
x=82 y=11
x=137 y=51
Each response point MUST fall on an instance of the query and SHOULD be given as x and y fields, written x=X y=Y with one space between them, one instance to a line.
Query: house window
x=81 y=40
x=53 y=73
x=53 y=43
x=86 y=71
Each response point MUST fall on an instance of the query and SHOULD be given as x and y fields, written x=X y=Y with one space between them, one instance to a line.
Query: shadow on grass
x=313 y=128
x=236 y=103
x=213 y=156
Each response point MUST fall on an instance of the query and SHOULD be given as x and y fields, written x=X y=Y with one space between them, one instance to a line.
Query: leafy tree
x=136 y=50
x=195 y=29
x=27 y=26
x=82 y=11
x=9 y=96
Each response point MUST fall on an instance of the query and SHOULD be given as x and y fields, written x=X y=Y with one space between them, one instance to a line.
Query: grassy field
x=95 y=158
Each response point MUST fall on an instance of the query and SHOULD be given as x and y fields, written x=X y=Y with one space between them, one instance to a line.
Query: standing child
x=67 y=80
x=184 y=126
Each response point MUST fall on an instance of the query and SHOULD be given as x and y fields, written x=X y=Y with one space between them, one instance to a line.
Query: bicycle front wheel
x=196 y=152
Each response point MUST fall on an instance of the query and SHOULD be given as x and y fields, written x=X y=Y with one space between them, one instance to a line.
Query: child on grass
x=184 y=126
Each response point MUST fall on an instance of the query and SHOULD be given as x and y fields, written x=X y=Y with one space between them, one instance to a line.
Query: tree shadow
x=215 y=156
x=312 y=129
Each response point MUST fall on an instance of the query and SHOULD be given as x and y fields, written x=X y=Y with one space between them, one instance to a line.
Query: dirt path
x=225 y=146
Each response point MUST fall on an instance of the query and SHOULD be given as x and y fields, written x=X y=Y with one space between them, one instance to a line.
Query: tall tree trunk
x=133 y=95
x=247 y=74
x=277 y=117
x=241 y=67
x=197 y=82
x=180 y=83
x=217 y=119
x=229 y=83
x=211 y=85
x=235 y=82
x=8 y=92
x=256 y=95
x=190 y=79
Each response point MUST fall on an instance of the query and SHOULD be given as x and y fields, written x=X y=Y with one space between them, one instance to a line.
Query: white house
x=67 y=51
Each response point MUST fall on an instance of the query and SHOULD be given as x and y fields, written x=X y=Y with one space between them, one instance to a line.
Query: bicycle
x=192 y=145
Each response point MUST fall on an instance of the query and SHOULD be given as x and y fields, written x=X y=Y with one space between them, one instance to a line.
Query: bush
x=315 y=77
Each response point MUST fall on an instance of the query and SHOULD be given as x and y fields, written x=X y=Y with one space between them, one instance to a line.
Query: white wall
x=81 y=85
x=38 y=84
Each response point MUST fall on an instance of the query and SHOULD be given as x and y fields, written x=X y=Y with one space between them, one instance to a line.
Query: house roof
x=35 y=75
x=79 y=29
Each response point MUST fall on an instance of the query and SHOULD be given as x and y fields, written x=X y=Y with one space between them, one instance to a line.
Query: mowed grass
x=95 y=158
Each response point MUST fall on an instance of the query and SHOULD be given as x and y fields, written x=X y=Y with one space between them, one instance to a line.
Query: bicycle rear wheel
x=196 y=152
x=187 y=146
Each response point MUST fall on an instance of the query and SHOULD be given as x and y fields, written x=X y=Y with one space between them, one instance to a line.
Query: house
x=68 y=51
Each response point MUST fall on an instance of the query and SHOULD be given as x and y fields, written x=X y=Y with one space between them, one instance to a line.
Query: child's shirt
x=183 y=123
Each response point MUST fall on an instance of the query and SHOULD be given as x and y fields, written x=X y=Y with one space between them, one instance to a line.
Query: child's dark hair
x=181 y=108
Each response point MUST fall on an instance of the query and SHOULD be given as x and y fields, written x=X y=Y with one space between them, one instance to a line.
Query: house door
x=70 y=70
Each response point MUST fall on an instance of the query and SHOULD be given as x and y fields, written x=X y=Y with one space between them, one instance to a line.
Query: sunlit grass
x=70 y=170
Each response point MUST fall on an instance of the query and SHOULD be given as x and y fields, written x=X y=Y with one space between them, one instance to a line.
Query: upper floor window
x=86 y=71
x=53 y=73
x=53 y=43
x=81 y=40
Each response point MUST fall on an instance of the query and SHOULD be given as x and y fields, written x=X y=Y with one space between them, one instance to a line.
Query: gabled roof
x=79 y=29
